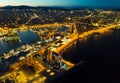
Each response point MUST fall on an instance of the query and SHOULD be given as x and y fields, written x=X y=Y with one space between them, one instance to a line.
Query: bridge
x=26 y=27
x=49 y=25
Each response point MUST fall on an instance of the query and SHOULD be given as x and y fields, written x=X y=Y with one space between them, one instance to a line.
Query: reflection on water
x=26 y=37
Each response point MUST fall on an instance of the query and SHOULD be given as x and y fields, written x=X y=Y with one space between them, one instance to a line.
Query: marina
x=24 y=36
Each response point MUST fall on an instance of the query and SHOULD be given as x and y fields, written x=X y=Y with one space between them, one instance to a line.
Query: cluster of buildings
x=15 y=17
x=39 y=62
x=39 y=58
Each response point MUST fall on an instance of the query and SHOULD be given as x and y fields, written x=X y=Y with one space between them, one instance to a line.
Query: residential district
x=58 y=31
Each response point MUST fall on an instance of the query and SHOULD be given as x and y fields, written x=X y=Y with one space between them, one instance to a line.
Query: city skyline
x=59 y=41
x=85 y=3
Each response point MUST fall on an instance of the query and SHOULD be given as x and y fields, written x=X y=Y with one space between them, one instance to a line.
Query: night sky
x=88 y=3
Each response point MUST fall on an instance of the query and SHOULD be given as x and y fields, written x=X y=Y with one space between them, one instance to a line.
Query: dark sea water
x=26 y=37
x=101 y=56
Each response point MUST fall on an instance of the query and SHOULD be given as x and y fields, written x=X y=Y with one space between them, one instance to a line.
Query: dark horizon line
x=74 y=6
